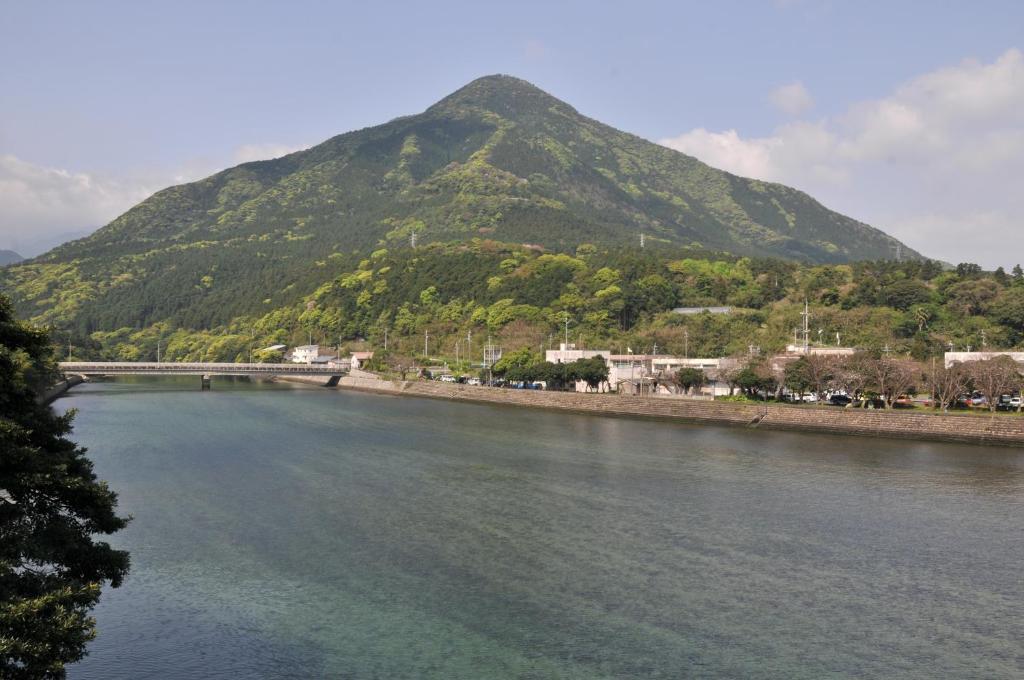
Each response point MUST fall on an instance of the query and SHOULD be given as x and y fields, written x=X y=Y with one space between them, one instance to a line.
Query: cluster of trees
x=523 y=296
x=524 y=365
x=865 y=378
x=52 y=508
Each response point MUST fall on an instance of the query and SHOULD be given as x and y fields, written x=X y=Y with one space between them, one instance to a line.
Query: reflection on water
x=294 y=532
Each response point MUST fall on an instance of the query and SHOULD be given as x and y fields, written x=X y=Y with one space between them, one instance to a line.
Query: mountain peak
x=504 y=95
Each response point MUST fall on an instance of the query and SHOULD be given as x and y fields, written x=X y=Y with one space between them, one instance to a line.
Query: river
x=288 y=532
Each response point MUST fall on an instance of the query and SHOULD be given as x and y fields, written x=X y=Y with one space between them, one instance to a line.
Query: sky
x=906 y=115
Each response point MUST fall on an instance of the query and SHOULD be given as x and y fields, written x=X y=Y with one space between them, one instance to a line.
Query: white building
x=305 y=354
x=360 y=358
x=566 y=354
x=654 y=373
x=960 y=357
x=821 y=350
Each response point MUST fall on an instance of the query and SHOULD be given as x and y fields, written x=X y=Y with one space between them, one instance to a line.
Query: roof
x=698 y=310
x=362 y=355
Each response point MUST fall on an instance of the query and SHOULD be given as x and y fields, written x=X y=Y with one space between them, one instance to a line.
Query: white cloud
x=793 y=98
x=936 y=163
x=38 y=204
x=35 y=200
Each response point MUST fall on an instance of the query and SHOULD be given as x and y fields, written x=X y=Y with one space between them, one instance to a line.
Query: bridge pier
x=205 y=385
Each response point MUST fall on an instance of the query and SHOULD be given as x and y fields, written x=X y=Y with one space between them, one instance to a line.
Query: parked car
x=839 y=400
x=448 y=378
x=474 y=381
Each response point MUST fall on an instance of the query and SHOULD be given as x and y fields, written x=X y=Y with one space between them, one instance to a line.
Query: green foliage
x=690 y=378
x=51 y=508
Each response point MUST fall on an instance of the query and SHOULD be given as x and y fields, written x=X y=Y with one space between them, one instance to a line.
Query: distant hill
x=9 y=257
x=35 y=246
x=497 y=159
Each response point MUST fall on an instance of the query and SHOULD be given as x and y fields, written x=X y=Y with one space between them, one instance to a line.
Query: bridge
x=203 y=369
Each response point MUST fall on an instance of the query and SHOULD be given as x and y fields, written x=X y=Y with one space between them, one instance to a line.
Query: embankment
x=60 y=388
x=997 y=430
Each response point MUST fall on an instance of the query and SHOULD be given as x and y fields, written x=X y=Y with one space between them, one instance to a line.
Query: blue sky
x=102 y=103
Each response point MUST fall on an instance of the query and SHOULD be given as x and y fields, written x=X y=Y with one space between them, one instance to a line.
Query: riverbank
x=60 y=388
x=1000 y=431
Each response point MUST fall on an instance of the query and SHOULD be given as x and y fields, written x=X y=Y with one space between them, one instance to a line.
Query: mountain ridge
x=497 y=159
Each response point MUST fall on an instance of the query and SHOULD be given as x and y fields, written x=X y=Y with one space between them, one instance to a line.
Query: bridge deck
x=182 y=368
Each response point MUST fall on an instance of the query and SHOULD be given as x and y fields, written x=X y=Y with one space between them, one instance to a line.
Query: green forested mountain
x=498 y=159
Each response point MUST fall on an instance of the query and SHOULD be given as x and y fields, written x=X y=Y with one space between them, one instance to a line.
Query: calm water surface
x=284 y=532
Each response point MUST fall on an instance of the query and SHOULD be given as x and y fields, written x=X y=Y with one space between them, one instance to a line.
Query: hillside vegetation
x=612 y=298
x=498 y=159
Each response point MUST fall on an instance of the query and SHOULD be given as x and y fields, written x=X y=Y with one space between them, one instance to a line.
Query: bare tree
x=891 y=378
x=993 y=377
x=947 y=384
x=820 y=370
x=851 y=376
x=728 y=370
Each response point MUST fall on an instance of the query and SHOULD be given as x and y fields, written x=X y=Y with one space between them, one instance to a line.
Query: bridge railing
x=99 y=367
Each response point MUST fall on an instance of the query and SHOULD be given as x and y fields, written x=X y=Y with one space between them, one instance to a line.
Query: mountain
x=35 y=246
x=498 y=159
x=9 y=257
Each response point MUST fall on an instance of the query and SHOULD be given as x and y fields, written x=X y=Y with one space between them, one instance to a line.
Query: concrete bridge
x=206 y=370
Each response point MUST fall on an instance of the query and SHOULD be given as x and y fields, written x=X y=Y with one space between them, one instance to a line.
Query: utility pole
x=426 y=339
x=686 y=343
x=69 y=345
x=806 y=314
x=385 y=339
x=566 y=331
x=641 y=239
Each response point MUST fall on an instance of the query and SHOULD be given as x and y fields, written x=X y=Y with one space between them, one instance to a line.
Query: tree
x=689 y=378
x=521 y=358
x=809 y=373
x=947 y=384
x=891 y=378
x=593 y=371
x=993 y=377
x=906 y=293
x=796 y=378
x=852 y=376
x=968 y=270
x=51 y=507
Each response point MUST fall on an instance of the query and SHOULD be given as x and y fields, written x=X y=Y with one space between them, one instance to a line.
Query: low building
x=655 y=374
x=305 y=354
x=960 y=357
x=821 y=350
x=323 y=359
x=360 y=358
x=567 y=353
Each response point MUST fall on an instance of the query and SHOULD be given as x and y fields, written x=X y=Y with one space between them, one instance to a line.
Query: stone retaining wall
x=1000 y=430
